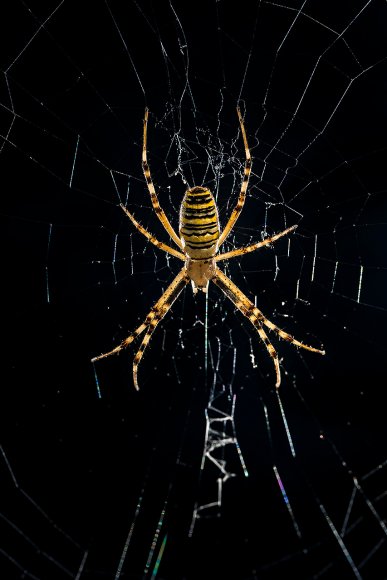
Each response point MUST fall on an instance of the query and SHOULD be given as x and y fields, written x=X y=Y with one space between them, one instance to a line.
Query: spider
x=199 y=242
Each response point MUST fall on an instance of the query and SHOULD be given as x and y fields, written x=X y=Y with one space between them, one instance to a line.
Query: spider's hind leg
x=242 y=195
x=151 y=188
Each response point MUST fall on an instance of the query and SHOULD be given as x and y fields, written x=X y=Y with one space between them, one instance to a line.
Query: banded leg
x=151 y=238
x=151 y=188
x=253 y=247
x=123 y=344
x=288 y=337
x=157 y=313
x=242 y=195
x=257 y=318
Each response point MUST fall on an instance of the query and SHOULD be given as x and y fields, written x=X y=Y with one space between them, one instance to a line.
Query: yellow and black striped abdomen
x=199 y=223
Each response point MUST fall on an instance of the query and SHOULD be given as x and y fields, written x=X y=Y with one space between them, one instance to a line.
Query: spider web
x=208 y=471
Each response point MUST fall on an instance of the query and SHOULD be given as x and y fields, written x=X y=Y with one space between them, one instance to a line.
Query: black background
x=80 y=473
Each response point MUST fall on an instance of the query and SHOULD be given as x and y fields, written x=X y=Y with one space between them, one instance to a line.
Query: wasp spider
x=199 y=241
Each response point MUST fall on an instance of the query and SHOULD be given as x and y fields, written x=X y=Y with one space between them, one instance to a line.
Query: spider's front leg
x=157 y=313
x=257 y=318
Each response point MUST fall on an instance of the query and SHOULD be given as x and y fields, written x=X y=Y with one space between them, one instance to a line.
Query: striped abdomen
x=199 y=223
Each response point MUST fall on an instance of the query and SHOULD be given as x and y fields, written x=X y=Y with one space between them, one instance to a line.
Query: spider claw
x=278 y=372
x=135 y=380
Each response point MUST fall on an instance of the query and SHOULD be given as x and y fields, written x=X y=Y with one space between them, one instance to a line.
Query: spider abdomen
x=199 y=223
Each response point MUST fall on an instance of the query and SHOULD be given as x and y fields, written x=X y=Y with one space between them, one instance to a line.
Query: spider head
x=200 y=272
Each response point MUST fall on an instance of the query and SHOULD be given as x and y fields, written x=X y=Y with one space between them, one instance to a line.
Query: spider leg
x=253 y=247
x=151 y=238
x=154 y=199
x=156 y=314
x=288 y=337
x=123 y=344
x=257 y=318
x=242 y=195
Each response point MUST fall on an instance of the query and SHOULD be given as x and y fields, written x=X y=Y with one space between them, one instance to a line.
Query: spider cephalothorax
x=199 y=243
